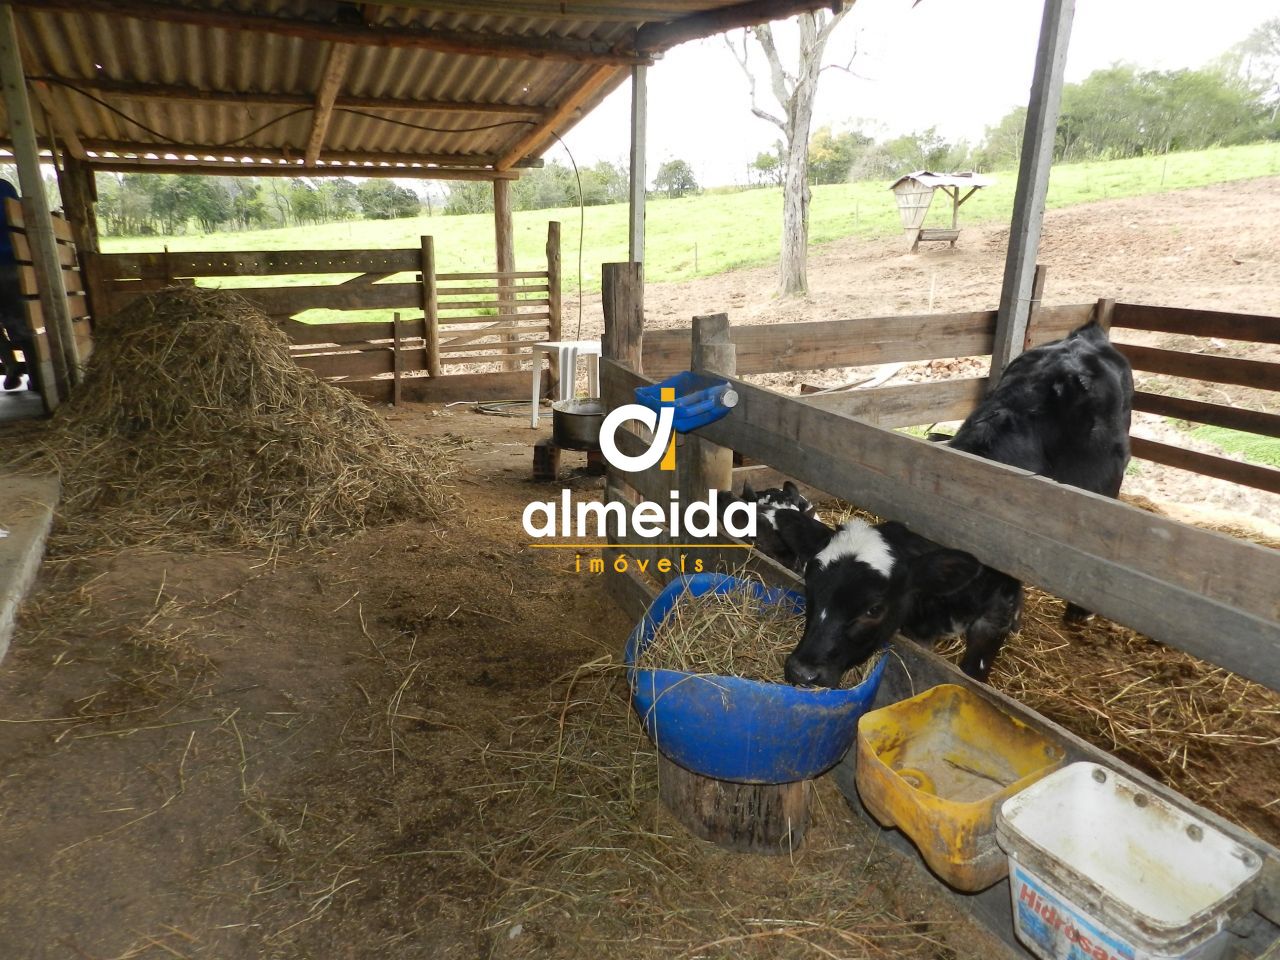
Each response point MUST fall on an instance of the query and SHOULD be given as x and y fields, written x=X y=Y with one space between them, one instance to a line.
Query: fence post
x=553 y=298
x=1033 y=308
x=622 y=299
x=430 y=307
x=397 y=361
x=710 y=467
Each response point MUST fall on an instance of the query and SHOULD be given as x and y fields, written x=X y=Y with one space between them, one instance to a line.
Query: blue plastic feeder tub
x=730 y=728
x=699 y=399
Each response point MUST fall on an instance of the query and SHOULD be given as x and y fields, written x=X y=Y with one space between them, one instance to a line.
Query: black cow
x=1061 y=410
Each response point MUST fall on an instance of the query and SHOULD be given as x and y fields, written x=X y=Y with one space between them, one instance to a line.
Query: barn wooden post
x=39 y=225
x=553 y=301
x=79 y=194
x=397 y=359
x=504 y=236
x=636 y=188
x=1033 y=308
x=430 y=307
x=1033 y=185
x=709 y=466
x=622 y=299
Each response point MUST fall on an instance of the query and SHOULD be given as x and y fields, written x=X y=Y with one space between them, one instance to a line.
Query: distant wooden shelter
x=914 y=194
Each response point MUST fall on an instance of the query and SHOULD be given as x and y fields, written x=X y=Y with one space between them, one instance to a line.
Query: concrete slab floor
x=23 y=404
x=26 y=514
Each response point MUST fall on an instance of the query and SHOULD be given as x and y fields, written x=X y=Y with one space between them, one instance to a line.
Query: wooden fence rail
x=860 y=342
x=488 y=319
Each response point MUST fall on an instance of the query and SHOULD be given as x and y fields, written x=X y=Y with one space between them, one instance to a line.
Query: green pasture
x=715 y=232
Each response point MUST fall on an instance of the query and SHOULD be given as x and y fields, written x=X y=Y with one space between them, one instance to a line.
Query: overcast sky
x=955 y=64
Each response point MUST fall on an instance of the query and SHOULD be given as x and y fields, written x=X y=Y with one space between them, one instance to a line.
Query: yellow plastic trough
x=938 y=766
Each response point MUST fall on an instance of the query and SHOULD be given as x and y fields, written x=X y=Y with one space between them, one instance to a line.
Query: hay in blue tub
x=731 y=728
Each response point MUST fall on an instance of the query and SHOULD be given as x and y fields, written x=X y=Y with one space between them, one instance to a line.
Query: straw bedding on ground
x=588 y=862
x=193 y=424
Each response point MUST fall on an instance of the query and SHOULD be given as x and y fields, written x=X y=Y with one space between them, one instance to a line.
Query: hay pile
x=588 y=863
x=194 y=425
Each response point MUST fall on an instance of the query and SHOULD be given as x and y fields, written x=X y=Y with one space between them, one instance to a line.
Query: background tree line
x=1112 y=114
x=149 y=203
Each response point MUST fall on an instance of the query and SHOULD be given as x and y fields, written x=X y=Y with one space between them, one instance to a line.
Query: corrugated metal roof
x=125 y=77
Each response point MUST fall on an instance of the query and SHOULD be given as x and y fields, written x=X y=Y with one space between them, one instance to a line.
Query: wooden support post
x=504 y=240
x=1103 y=311
x=397 y=360
x=709 y=466
x=636 y=190
x=622 y=300
x=553 y=301
x=1033 y=184
x=1037 y=298
x=39 y=225
x=430 y=307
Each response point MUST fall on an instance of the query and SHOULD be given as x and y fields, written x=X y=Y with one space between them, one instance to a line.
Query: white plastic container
x=1102 y=869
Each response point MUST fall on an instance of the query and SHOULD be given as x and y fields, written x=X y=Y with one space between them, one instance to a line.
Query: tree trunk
x=795 y=94
x=793 y=276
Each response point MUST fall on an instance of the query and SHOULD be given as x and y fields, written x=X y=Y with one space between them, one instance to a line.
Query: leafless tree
x=794 y=92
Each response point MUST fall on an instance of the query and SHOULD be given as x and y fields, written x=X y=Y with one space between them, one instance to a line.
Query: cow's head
x=857 y=592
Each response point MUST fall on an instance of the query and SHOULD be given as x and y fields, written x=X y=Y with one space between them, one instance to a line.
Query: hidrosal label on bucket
x=1057 y=929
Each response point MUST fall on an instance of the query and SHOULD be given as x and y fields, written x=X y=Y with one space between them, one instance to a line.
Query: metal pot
x=575 y=424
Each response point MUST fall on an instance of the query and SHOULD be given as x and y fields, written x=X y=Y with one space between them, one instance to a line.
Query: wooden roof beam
x=355 y=31
x=270 y=154
x=181 y=93
x=225 y=168
x=335 y=71
x=590 y=87
x=656 y=37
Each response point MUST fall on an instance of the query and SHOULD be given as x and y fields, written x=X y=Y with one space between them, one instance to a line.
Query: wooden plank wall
x=488 y=319
x=1174 y=366
x=77 y=300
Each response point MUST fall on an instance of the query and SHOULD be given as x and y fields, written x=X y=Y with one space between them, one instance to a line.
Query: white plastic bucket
x=1101 y=868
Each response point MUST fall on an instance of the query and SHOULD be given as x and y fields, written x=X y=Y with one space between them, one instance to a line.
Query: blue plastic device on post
x=699 y=399
x=735 y=729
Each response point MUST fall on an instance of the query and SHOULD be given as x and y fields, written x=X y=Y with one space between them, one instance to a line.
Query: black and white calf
x=772 y=504
x=1061 y=410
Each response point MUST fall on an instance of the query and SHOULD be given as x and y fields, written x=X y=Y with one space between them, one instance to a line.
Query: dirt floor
x=250 y=755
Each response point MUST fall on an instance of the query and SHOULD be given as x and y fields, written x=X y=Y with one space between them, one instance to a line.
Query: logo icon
x=662 y=448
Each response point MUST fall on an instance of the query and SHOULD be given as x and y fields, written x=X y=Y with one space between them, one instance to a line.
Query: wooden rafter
x=355 y=31
x=58 y=122
x=162 y=151
x=539 y=133
x=181 y=93
x=335 y=71
x=232 y=168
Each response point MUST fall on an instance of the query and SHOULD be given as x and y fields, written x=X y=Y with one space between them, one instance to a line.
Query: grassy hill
x=714 y=232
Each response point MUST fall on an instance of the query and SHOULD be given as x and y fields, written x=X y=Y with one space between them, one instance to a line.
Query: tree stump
x=744 y=817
